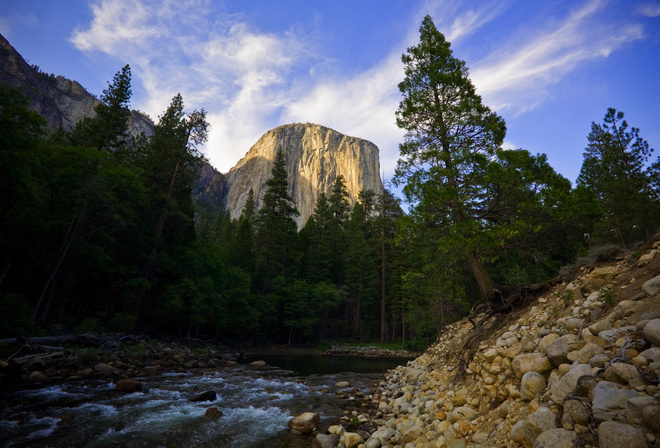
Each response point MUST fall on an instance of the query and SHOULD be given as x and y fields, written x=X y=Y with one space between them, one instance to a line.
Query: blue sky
x=549 y=68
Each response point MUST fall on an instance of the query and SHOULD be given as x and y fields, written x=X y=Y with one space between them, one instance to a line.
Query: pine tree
x=276 y=228
x=614 y=168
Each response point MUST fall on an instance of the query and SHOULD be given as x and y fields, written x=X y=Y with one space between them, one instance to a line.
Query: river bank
x=576 y=366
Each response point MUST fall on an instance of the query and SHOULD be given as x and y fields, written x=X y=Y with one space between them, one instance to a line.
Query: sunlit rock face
x=315 y=156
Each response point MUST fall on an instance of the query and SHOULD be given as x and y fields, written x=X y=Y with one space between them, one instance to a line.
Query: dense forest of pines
x=98 y=230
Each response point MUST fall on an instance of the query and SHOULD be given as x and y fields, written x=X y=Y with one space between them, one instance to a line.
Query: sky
x=549 y=68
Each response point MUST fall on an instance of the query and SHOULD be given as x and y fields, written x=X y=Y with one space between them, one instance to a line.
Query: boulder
x=128 y=385
x=557 y=351
x=106 y=369
x=623 y=373
x=599 y=277
x=530 y=362
x=568 y=383
x=209 y=395
x=609 y=399
x=652 y=331
x=258 y=363
x=577 y=412
x=526 y=431
x=325 y=441
x=305 y=422
x=617 y=435
x=352 y=439
x=383 y=435
x=635 y=406
x=531 y=385
x=39 y=377
x=652 y=287
x=556 y=438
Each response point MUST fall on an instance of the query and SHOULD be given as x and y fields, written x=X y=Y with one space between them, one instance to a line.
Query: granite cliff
x=315 y=156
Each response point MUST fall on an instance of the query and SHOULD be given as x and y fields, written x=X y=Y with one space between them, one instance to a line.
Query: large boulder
x=128 y=385
x=531 y=385
x=209 y=395
x=325 y=441
x=557 y=351
x=652 y=331
x=531 y=362
x=556 y=438
x=568 y=383
x=609 y=399
x=305 y=422
x=617 y=435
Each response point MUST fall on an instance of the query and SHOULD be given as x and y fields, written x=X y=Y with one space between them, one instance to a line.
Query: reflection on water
x=256 y=405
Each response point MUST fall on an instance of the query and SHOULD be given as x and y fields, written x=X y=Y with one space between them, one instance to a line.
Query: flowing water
x=256 y=404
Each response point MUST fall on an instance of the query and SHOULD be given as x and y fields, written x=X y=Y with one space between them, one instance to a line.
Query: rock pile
x=578 y=367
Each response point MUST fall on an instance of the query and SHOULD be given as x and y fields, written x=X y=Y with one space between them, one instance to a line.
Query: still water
x=256 y=404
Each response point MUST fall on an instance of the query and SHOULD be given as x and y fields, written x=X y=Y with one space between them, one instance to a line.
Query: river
x=256 y=405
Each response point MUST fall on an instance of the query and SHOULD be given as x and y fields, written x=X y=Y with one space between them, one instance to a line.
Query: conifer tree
x=614 y=168
x=276 y=228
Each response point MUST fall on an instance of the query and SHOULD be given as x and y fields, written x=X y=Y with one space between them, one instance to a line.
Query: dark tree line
x=98 y=230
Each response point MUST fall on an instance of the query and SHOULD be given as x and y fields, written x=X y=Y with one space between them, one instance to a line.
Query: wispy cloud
x=517 y=76
x=216 y=61
x=649 y=9
x=250 y=81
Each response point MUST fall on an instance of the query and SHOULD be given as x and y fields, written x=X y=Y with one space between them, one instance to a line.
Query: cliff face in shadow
x=315 y=156
x=60 y=101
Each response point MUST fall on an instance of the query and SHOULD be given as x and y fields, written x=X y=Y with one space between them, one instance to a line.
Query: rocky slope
x=315 y=156
x=579 y=366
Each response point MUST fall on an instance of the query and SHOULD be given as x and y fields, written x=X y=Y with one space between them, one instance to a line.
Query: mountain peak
x=315 y=156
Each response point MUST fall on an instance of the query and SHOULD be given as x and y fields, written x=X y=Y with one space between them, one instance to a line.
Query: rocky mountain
x=60 y=101
x=315 y=156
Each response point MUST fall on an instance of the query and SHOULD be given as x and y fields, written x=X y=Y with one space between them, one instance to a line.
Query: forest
x=99 y=232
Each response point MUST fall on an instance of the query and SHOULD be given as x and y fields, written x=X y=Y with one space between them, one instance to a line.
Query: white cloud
x=649 y=9
x=250 y=81
x=518 y=75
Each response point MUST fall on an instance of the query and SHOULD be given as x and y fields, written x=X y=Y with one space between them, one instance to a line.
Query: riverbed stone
x=577 y=412
x=128 y=385
x=352 y=439
x=609 y=399
x=531 y=384
x=557 y=351
x=106 y=369
x=530 y=362
x=556 y=438
x=305 y=422
x=383 y=435
x=616 y=435
x=568 y=383
x=620 y=372
x=209 y=395
x=652 y=331
x=652 y=287
x=326 y=441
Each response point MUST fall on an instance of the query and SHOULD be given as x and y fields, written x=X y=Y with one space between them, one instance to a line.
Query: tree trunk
x=481 y=276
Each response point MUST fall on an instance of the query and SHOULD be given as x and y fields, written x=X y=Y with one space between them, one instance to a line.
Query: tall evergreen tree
x=458 y=180
x=109 y=128
x=614 y=168
x=276 y=228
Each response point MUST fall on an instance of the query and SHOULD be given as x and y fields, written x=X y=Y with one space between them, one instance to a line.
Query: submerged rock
x=209 y=395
